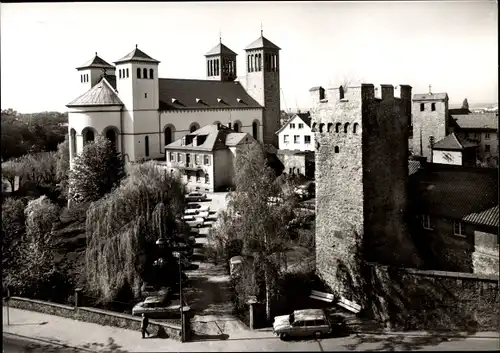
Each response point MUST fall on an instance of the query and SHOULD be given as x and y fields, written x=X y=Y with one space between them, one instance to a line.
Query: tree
x=35 y=266
x=261 y=225
x=62 y=168
x=12 y=228
x=96 y=171
x=122 y=229
x=465 y=104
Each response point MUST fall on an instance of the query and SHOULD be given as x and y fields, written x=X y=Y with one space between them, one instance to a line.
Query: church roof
x=177 y=94
x=97 y=63
x=138 y=56
x=262 y=42
x=477 y=121
x=209 y=138
x=430 y=96
x=453 y=142
x=101 y=94
x=220 y=49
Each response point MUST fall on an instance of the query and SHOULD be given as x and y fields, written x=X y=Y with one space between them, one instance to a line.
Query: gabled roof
x=96 y=63
x=413 y=167
x=459 y=111
x=102 y=94
x=305 y=117
x=111 y=80
x=453 y=142
x=478 y=121
x=488 y=217
x=210 y=138
x=137 y=55
x=220 y=49
x=178 y=94
x=454 y=192
x=262 y=42
x=430 y=96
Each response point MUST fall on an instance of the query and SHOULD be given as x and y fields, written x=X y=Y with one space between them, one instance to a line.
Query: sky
x=452 y=46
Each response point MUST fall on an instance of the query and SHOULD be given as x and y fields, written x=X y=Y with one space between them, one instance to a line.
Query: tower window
x=87 y=77
x=255 y=130
x=422 y=107
x=146 y=145
x=341 y=92
x=138 y=73
x=433 y=107
x=168 y=136
x=337 y=150
x=486 y=148
x=355 y=128
x=145 y=73
x=127 y=72
x=208 y=68
x=120 y=73
x=151 y=73
x=145 y=95
x=236 y=127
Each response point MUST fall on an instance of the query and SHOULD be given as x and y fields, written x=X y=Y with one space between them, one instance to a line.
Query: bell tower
x=221 y=63
x=91 y=72
x=263 y=83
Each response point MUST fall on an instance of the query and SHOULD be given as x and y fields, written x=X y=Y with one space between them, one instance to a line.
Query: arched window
x=236 y=127
x=255 y=130
x=151 y=74
x=146 y=145
x=321 y=127
x=168 y=136
x=218 y=67
x=111 y=136
x=330 y=127
x=346 y=127
x=251 y=63
x=355 y=128
x=337 y=127
x=88 y=136
x=138 y=73
x=256 y=58
x=145 y=73
x=337 y=150
x=72 y=136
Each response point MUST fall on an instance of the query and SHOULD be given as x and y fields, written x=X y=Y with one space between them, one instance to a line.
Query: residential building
x=481 y=128
x=142 y=113
x=454 y=149
x=205 y=158
x=296 y=134
x=456 y=217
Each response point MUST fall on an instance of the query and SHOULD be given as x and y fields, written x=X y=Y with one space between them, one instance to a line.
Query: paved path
x=97 y=338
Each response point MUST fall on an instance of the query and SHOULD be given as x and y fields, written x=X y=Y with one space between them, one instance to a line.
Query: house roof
x=137 y=55
x=305 y=117
x=430 y=96
x=210 y=138
x=102 y=94
x=458 y=111
x=413 y=167
x=203 y=94
x=220 y=49
x=111 y=80
x=453 y=142
x=477 y=121
x=96 y=63
x=262 y=42
x=454 y=192
x=488 y=217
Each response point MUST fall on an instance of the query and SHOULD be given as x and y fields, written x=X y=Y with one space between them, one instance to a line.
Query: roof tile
x=454 y=142
x=102 y=94
x=262 y=42
x=477 y=121
x=220 y=49
x=137 y=55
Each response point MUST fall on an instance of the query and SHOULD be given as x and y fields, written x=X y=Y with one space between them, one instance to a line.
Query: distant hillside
x=474 y=105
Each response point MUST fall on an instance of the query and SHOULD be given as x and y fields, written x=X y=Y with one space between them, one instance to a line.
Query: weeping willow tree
x=122 y=229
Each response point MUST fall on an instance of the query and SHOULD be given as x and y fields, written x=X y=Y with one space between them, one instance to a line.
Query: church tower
x=221 y=63
x=263 y=84
x=91 y=72
x=138 y=88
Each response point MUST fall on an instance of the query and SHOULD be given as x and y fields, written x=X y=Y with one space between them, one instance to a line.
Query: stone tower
x=361 y=177
x=430 y=118
x=91 y=72
x=221 y=63
x=263 y=84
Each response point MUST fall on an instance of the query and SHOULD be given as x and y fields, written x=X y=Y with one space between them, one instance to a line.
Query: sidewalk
x=98 y=338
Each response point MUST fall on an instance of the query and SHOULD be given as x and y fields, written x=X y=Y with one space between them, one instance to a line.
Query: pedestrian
x=144 y=325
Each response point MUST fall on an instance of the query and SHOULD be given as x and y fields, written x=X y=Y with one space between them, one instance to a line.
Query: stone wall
x=433 y=300
x=96 y=316
x=485 y=258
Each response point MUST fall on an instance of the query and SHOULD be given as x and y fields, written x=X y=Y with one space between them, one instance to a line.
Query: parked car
x=185 y=263
x=197 y=206
x=183 y=248
x=196 y=196
x=191 y=212
x=306 y=191
x=204 y=215
x=195 y=222
x=307 y=322
x=156 y=306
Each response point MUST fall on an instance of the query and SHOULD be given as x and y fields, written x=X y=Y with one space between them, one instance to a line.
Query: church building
x=142 y=113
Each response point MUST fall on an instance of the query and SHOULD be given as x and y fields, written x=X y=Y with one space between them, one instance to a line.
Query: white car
x=155 y=307
x=198 y=207
x=191 y=212
x=195 y=222
x=203 y=215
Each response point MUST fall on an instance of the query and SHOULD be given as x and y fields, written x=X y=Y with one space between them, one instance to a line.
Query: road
x=12 y=344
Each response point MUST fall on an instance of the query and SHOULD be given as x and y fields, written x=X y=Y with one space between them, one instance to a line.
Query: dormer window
x=183 y=141
x=174 y=100
x=195 y=141
x=239 y=100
